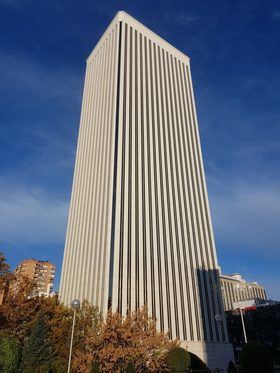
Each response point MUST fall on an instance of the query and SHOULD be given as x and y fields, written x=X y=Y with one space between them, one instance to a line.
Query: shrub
x=177 y=360
x=198 y=364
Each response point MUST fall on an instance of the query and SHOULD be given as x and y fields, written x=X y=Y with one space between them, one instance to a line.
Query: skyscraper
x=139 y=229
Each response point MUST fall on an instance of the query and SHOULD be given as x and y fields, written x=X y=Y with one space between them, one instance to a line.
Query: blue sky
x=235 y=59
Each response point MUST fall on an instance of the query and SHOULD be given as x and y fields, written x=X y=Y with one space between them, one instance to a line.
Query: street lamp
x=218 y=317
x=75 y=304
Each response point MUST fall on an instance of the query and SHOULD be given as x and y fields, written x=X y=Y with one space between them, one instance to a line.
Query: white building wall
x=87 y=248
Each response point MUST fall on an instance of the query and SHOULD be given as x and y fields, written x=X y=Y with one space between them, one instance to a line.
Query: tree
x=4 y=277
x=130 y=369
x=121 y=341
x=95 y=367
x=4 y=267
x=177 y=359
x=37 y=353
x=17 y=313
x=10 y=353
x=88 y=321
x=256 y=357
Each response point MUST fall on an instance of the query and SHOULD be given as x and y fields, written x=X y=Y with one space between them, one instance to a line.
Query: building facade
x=40 y=272
x=236 y=289
x=139 y=228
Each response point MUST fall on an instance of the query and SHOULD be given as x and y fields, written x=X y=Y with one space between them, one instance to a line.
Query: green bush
x=198 y=364
x=130 y=369
x=178 y=360
x=256 y=357
x=10 y=353
x=95 y=367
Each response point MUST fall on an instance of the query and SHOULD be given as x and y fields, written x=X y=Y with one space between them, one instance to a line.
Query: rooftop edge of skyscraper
x=122 y=16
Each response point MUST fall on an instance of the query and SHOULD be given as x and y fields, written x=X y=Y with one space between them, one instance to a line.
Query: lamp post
x=218 y=317
x=243 y=325
x=75 y=304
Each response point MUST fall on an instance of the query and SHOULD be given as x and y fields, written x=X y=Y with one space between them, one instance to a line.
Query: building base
x=213 y=354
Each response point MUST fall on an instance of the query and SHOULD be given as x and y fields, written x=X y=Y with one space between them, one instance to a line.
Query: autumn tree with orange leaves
x=114 y=344
x=122 y=341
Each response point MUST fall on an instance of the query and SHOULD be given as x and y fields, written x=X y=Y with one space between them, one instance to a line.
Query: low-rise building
x=236 y=289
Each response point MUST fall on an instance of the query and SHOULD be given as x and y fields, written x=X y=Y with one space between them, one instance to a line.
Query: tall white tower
x=139 y=229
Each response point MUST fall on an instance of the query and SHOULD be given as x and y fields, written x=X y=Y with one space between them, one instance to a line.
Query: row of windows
x=233 y=292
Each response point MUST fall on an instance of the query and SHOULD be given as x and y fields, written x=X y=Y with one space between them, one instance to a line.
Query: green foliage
x=95 y=367
x=198 y=364
x=130 y=369
x=10 y=353
x=256 y=357
x=59 y=366
x=177 y=359
x=37 y=353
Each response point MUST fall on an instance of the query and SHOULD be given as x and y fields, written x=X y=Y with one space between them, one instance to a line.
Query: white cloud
x=31 y=216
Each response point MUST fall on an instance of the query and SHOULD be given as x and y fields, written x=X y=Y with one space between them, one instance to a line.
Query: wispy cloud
x=47 y=106
x=35 y=180
x=31 y=216
x=28 y=77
